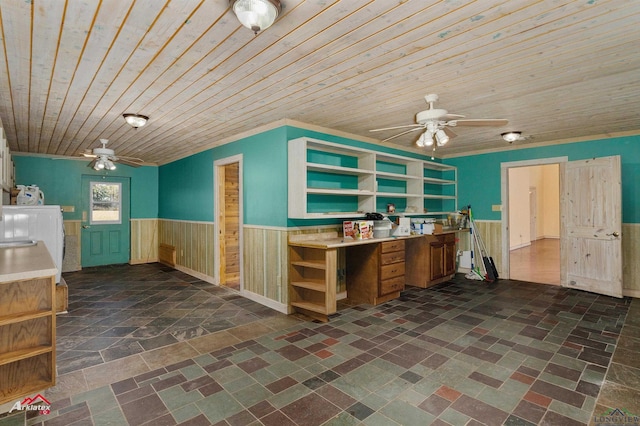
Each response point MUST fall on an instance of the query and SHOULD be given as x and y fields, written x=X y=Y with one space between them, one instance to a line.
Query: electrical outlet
x=496 y=208
x=68 y=209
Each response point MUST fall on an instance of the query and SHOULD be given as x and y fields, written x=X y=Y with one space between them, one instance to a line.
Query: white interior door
x=590 y=226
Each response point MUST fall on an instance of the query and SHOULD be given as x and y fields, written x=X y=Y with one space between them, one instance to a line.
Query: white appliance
x=38 y=223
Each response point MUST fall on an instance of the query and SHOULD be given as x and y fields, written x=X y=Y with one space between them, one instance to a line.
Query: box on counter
x=404 y=227
x=357 y=229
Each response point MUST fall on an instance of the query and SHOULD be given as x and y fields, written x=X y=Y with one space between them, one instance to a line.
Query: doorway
x=228 y=214
x=105 y=229
x=531 y=225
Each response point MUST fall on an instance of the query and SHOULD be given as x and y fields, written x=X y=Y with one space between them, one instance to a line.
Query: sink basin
x=18 y=243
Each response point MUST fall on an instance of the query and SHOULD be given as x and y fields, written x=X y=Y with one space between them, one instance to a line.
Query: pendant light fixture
x=135 y=120
x=257 y=15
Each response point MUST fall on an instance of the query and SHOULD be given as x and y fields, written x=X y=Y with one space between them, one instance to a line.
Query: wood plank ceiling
x=556 y=69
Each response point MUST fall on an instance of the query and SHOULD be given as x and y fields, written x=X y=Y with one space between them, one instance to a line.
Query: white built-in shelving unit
x=330 y=180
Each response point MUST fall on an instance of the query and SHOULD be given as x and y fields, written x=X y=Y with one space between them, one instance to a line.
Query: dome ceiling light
x=257 y=15
x=135 y=120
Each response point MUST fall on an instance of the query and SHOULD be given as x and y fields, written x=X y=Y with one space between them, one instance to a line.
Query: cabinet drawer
x=391 y=285
x=391 y=271
x=392 y=257
x=389 y=246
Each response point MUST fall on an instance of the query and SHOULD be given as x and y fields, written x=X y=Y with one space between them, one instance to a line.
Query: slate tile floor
x=147 y=344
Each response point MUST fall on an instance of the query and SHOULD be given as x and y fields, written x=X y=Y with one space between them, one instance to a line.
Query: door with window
x=105 y=220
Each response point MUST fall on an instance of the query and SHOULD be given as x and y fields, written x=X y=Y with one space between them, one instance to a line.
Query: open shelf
x=311 y=285
x=314 y=307
x=330 y=180
x=9 y=357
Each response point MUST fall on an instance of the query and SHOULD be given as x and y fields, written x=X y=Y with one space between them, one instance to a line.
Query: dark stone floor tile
x=281 y=384
x=261 y=409
x=482 y=354
x=134 y=394
x=242 y=418
x=76 y=414
x=537 y=353
x=479 y=410
x=310 y=410
x=534 y=332
x=292 y=353
x=483 y=378
x=529 y=411
x=277 y=418
x=360 y=411
x=559 y=393
x=336 y=396
x=210 y=389
x=144 y=410
x=434 y=404
x=124 y=386
x=121 y=351
x=564 y=372
x=168 y=382
x=158 y=342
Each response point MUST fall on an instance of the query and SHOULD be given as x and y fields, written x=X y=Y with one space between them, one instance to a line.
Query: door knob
x=614 y=233
x=86 y=226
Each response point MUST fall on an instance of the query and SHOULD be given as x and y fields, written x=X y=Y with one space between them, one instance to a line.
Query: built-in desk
x=377 y=269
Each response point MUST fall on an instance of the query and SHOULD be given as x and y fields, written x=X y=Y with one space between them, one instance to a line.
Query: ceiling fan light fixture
x=135 y=120
x=511 y=136
x=257 y=15
x=103 y=163
x=420 y=142
x=441 y=137
x=428 y=138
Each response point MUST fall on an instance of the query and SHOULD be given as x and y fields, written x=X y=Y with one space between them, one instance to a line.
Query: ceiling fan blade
x=477 y=122
x=89 y=154
x=450 y=132
x=403 y=133
x=397 y=127
x=448 y=117
x=129 y=161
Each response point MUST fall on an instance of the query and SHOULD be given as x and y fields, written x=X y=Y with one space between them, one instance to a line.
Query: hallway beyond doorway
x=538 y=262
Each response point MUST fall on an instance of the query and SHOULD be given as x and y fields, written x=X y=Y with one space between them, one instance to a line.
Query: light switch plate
x=496 y=208
x=68 y=209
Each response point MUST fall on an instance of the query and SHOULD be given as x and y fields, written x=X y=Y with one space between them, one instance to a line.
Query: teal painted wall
x=60 y=181
x=479 y=175
x=186 y=185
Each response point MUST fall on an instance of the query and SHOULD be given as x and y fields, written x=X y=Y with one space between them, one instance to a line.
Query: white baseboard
x=519 y=246
x=197 y=274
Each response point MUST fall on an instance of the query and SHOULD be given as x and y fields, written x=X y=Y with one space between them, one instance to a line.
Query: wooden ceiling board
x=556 y=69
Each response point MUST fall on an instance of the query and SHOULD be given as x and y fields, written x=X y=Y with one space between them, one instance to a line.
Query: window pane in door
x=106 y=203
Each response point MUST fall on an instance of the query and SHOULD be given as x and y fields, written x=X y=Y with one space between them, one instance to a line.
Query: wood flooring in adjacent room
x=537 y=263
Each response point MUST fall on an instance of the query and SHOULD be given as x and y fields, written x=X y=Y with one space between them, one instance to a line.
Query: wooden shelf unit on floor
x=312 y=279
x=27 y=337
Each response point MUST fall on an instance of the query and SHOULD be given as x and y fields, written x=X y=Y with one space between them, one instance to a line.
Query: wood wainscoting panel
x=265 y=270
x=193 y=242
x=491 y=233
x=144 y=241
x=630 y=256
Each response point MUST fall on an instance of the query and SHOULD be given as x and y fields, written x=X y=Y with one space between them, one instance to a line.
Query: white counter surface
x=23 y=263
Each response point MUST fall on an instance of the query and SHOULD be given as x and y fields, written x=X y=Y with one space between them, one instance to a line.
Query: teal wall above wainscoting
x=479 y=175
x=60 y=181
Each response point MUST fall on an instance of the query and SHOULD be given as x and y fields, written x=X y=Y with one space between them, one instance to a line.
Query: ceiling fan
x=436 y=124
x=104 y=158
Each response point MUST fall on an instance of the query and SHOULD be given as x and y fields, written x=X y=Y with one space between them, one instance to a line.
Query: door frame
x=217 y=166
x=504 y=179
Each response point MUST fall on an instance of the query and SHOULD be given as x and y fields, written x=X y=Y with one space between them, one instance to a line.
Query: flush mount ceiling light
x=511 y=136
x=135 y=120
x=257 y=15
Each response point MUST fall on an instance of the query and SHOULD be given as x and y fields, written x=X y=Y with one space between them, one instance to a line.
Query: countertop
x=327 y=243
x=23 y=263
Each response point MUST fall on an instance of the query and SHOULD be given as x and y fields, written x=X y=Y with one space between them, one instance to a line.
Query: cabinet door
x=449 y=258
x=437 y=260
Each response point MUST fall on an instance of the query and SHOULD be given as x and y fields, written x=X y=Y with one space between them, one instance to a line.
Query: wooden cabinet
x=375 y=272
x=329 y=180
x=430 y=260
x=27 y=332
